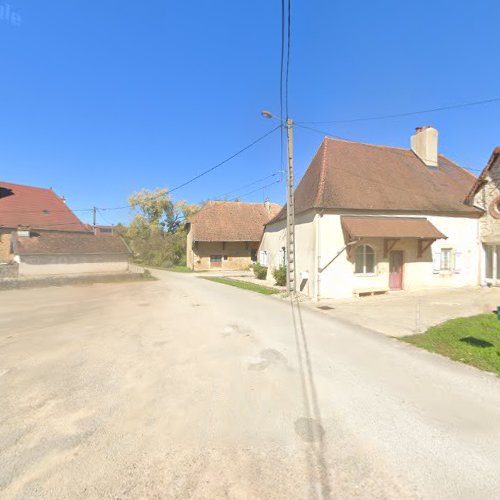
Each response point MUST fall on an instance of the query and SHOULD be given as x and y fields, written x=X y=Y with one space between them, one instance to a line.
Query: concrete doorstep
x=399 y=314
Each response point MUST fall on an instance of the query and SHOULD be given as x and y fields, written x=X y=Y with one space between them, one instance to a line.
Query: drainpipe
x=317 y=256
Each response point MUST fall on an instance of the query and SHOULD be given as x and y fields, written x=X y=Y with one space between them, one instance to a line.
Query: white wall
x=337 y=278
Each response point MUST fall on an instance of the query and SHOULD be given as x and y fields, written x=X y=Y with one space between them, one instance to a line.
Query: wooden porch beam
x=423 y=245
x=389 y=244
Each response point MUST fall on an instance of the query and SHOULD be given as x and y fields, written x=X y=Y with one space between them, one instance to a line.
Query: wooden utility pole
x=94 y=213
x=290 y=214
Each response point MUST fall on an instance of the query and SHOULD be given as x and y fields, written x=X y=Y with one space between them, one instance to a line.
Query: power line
x=237 y=198
x=104 y=218
x=410 y=113
x=205 y=172
x=249 y=184
x=287 y=60
x=388 y=149
x=258 y=189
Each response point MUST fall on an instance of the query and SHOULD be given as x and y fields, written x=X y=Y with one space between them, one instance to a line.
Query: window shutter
x=436 y=262
x=458 y=262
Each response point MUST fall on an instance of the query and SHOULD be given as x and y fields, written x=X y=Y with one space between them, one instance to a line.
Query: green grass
x=474 y=340
x=179 y=269
x=175 y=269
x=266 y=290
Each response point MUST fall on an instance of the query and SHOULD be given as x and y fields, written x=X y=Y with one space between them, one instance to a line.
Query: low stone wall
x=9 y=271
x=74 y=280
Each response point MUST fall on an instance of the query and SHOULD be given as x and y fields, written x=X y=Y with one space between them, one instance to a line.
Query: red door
x=396 y=270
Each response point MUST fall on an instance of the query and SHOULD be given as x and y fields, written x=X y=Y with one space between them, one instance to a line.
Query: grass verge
x=474 y=340
x=175 y=269
x=266 y=290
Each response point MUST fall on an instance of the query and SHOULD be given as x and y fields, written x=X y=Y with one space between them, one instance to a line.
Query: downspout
x=480 y=256
x=317 y=256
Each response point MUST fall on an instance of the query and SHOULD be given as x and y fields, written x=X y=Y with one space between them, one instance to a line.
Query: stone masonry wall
x=489 y=226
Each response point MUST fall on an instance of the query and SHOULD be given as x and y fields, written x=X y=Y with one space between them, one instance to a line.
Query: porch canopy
x=391 y=229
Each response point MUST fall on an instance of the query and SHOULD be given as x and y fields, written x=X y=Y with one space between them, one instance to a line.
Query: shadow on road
x=310 y=427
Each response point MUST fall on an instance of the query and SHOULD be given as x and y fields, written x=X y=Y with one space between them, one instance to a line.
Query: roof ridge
x=323 y=149
x=27 y=186
x=384 y=146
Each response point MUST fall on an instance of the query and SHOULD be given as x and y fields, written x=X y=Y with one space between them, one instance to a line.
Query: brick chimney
x=425 y=145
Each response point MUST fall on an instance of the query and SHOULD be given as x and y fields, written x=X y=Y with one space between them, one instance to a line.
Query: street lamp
x=290 y=204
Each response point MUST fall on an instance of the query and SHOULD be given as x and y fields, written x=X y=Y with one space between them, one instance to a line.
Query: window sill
x=365 y=275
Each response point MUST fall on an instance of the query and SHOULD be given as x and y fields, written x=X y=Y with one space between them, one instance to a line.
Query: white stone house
x=375 y=218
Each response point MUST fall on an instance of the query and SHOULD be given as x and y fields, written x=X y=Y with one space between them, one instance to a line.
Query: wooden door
x=396 y=270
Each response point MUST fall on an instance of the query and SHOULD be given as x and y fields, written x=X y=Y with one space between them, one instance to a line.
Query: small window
x=263 y=258
x=364 y=260
x=225 y=257
x=215 y=259
x=446 y=259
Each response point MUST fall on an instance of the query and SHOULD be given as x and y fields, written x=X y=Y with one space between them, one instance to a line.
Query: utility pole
x=290 y=213
x=291 y=277
x=94 y=213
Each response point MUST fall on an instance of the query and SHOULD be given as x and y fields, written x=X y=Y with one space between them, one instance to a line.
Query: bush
x=279 y=276
x=260 y=271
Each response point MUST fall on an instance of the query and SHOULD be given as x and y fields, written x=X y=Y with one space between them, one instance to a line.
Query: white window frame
x=449 y=268
x=365 y=273
x=263 y=258
x=495 y=251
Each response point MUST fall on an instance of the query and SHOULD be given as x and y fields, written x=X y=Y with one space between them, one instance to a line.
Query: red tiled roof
x=358 y=176
x=389 y=227
x=68 y=244
x=38 y=208
x=231 y=221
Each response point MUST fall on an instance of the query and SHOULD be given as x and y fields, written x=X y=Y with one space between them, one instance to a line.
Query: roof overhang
x=356 y=228
x=481 y=180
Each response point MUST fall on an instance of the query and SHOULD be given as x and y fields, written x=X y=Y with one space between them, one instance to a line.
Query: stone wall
x=5 y=255
x=9 y=271
x=56 y=265
x=236 y=255
x=485 y=198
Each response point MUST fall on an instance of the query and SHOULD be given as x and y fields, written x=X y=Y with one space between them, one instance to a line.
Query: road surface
x=184 y=388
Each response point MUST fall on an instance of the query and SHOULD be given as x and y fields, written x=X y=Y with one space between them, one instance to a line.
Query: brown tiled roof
x=231 y=221
x=480 y=181
x=358 y=176
x=389 y=227
x=38 y=208
x=68 y=244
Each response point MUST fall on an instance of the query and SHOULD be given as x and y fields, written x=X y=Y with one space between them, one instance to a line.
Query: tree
x=157 y=233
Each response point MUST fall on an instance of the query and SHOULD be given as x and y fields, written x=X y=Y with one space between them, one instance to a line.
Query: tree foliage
x=157 y=233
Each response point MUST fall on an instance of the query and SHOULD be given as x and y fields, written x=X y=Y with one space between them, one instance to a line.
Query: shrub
x=260 y=271
x=279 y=275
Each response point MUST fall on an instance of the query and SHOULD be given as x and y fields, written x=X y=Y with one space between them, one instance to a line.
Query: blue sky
x=101 y=99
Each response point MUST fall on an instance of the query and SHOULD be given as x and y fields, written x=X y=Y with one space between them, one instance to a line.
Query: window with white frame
x=263 y=258
x=446 y=263
x=364 y=260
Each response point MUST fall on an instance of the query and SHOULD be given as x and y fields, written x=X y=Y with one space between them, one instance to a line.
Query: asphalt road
x=184 y=388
